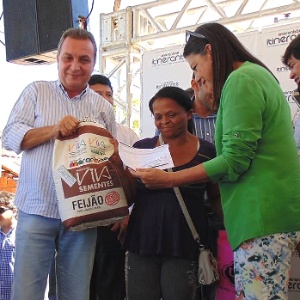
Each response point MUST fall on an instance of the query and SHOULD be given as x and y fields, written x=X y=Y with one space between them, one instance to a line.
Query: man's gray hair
x=78 y=34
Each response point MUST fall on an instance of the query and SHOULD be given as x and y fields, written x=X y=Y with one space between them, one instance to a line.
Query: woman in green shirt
x=256 y=165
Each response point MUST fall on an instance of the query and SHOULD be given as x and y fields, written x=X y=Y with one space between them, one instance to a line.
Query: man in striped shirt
x=205 y=111
x=44 y=111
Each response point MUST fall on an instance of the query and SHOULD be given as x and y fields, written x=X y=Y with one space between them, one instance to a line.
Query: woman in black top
x=162 y=254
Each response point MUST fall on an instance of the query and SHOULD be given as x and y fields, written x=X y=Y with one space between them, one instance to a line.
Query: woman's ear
x=190 y=114
x=208 y=48
x=208 y=52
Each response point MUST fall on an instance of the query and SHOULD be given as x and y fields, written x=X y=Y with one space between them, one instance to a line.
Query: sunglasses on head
x=4 y=209
x=188 y=34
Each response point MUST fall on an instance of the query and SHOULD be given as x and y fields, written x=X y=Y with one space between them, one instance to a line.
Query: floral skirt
x=262 y=266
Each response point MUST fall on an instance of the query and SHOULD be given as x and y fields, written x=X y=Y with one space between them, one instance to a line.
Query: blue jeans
x=36 y=239
x=52 y=281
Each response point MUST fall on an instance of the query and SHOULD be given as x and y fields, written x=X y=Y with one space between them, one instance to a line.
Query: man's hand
x=65 y=127
x=37 y=136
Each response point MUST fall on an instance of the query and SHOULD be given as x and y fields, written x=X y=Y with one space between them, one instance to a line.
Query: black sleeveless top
x=157 y=225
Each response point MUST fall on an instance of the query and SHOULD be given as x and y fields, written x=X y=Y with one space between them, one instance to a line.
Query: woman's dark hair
x=178 y=95
x=292 y=49
x=226 y=49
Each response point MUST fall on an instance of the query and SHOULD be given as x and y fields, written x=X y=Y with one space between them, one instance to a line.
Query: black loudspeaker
x=33 y=28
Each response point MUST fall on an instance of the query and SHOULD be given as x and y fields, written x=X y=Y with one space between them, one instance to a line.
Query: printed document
x=134 y=158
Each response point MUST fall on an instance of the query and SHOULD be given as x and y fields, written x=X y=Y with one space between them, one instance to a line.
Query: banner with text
x=167 y=67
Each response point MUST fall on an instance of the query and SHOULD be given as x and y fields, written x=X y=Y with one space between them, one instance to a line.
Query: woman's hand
x=157 y=179
x=153 y=178
x=121 y=226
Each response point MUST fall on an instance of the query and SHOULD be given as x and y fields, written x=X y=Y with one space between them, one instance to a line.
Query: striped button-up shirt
x=45 y=103
x=205 y=127
x=7 y=262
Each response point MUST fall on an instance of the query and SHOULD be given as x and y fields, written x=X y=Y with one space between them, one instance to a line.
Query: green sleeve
x=239 y=127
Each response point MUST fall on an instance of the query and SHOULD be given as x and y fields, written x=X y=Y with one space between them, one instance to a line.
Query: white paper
x=134 y=158
x=66 y=176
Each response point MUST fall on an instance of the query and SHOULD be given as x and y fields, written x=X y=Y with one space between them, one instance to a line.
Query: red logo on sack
x=112 y=198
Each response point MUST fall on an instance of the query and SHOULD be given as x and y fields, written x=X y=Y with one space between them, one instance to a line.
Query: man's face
x=75 y=65
x=104 y=91
x=294 y=65
x=204 y=95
